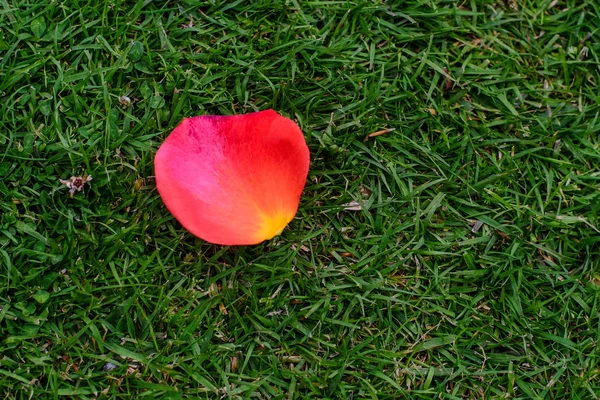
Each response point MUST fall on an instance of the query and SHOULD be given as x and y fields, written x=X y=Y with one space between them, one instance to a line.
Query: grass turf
x=470 y=271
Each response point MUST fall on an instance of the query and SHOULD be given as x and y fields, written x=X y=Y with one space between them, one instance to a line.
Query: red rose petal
x=233 y=180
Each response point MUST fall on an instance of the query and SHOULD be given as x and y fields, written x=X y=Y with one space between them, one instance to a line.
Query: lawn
x=467 y=265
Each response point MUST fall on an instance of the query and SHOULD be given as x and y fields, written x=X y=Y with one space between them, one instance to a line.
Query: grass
x=471 y=270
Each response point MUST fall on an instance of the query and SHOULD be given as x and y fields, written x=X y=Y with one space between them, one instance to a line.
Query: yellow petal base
x=273 y=225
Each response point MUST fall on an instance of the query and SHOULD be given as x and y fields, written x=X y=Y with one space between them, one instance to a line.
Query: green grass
x=472 y=270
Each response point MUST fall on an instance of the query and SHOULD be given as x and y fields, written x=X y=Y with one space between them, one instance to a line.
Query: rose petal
x=233 y=180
